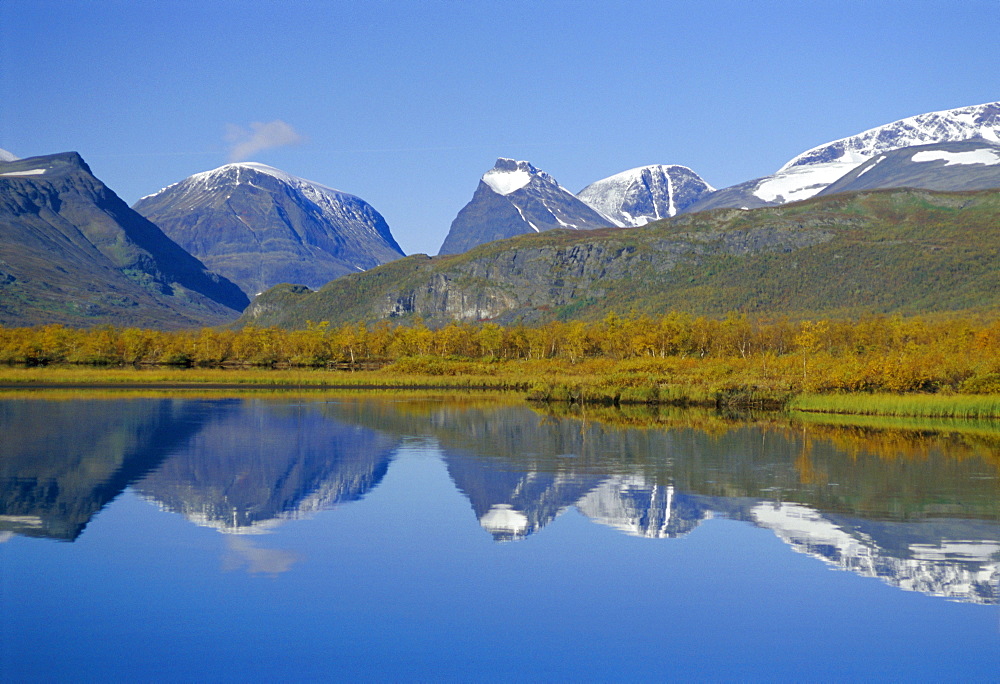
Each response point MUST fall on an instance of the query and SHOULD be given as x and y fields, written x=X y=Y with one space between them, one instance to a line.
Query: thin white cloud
x=245 y=142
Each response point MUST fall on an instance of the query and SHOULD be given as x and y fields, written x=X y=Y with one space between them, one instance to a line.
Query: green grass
x=964 y=406
x=983 y=428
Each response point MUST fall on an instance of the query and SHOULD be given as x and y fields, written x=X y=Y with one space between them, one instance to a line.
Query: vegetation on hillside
x=895 y=251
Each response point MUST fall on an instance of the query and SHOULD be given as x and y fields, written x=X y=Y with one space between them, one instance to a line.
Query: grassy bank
x=676 y=382
x=667 y=382
x=961 y=406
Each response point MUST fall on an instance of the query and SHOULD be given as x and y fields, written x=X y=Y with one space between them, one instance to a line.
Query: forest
x=673 y=358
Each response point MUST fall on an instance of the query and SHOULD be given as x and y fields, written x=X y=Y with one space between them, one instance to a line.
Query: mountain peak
x=645 y=193
x=45 y=165
x=510 y=175
x=78 y=255
x=514 y=198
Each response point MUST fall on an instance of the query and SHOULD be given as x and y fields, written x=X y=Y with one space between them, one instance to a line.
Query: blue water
x=357 y=538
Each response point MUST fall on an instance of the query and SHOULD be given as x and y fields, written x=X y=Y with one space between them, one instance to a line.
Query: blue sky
x=407 y=104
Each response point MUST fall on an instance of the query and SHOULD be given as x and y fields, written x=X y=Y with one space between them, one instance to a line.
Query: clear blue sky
x=407 y=104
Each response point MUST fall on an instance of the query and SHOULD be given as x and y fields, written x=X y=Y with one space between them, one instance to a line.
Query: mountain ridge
x=950 y=166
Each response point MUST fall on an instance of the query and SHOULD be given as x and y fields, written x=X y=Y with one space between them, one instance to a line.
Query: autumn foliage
x=873 y=354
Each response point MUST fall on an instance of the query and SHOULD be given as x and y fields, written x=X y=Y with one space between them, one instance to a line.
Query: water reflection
x=243 y=554
x=248 y=471
x=918 y=509
x=62 y=461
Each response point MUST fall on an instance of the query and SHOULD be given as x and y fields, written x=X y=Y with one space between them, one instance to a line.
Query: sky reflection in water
x=396 y=539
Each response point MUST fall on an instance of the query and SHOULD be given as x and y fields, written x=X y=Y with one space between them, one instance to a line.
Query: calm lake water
x=286 y=537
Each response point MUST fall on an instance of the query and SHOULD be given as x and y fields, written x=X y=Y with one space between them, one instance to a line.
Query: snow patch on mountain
x=6 y=156
x=878 y=161
x=30 y=172
x=633 y=505
x=801 y=182
x=510 y=175
x=506 y=182
x=504 y=520
x=985 y=156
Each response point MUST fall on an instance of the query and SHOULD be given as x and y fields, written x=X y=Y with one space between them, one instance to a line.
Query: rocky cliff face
x=260 y=226
x=73 y=252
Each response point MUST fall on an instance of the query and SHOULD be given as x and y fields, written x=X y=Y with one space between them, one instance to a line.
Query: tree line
x=946 y=351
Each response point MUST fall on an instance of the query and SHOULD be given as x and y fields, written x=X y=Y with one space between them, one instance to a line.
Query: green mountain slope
x=72 y=252
x=906 y=251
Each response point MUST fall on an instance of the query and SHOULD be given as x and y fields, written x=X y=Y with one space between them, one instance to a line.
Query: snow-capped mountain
x=514 y=198
x=638 y=196
x=952 y=125
x=6 y=156
x=951 y=166
x=260 y=226
x=812 y=171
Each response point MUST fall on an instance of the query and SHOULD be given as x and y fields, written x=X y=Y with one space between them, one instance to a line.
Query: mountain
x=259 y=226
x=810 y=172
x=514 y=198
x=72 y=252
x=6 y=156
x=648 y=193
x=969 y=165
x=952 y=125
x=888 y=251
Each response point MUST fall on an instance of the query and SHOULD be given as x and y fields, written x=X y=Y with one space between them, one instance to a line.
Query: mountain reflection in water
x=919 y=510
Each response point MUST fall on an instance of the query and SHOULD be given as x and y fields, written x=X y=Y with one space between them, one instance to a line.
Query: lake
x=301 y=537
